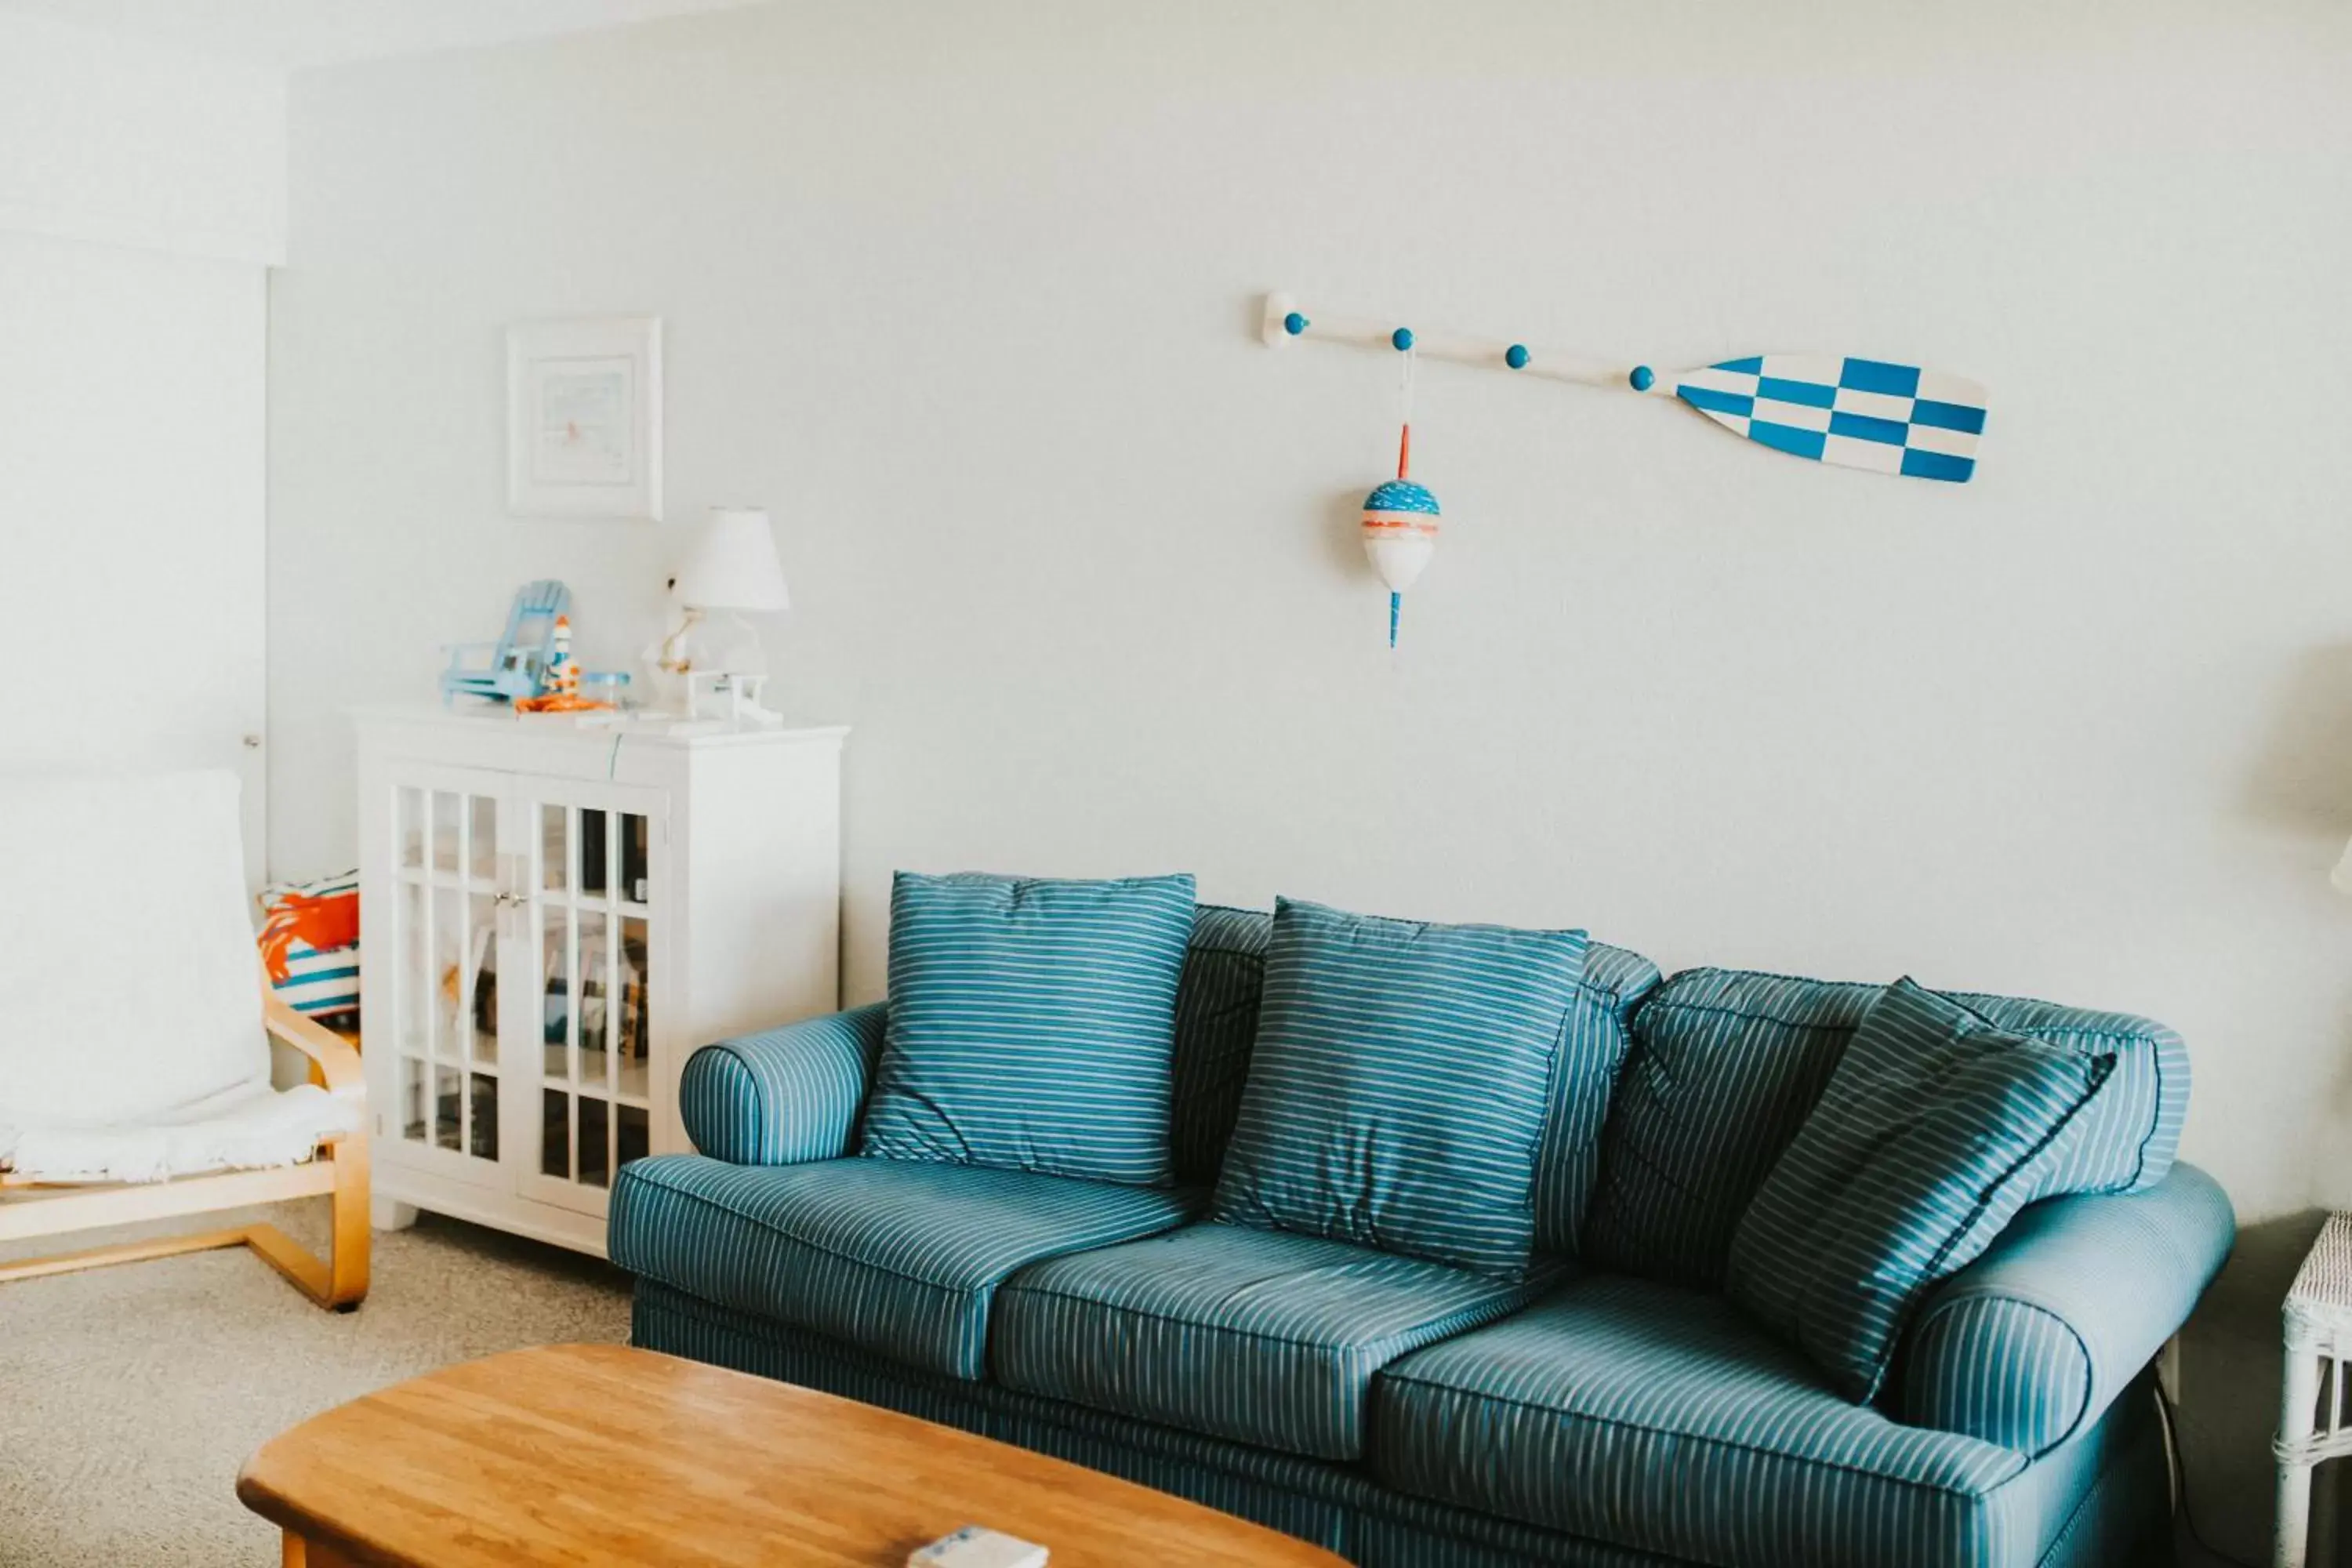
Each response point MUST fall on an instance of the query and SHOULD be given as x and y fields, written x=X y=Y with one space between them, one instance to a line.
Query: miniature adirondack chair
x=134 y=1015
x=519 y=658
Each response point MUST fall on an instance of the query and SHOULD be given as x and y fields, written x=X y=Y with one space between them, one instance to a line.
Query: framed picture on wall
x=583 y=418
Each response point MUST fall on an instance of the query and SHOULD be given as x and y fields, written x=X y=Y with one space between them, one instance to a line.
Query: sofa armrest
x=2031 y=1342
x=786 y=1095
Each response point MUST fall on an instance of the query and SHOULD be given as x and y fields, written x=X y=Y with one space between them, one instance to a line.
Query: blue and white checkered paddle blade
x=1860 y=412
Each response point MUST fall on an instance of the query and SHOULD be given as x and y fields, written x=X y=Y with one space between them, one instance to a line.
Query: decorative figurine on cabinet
x=518 y=660
x=530 y=666
x=559 y=689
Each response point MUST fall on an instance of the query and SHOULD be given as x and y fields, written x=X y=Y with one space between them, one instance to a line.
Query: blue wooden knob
x=1294 y=323
x=1642 y=378
x=1516 y=356
x=1402 y=338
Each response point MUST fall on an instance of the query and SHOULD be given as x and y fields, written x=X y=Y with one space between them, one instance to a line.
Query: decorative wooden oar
x=1857 y=412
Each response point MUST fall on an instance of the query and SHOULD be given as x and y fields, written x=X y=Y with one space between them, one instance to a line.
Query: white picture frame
x=584 y=418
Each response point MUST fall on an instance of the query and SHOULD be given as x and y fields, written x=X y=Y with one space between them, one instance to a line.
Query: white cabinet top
x=486 y=721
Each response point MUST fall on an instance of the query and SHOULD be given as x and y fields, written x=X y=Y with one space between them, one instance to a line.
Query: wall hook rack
x=1870 y=413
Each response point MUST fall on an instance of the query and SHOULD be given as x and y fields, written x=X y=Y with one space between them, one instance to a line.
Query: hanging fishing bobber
x=1399 y=536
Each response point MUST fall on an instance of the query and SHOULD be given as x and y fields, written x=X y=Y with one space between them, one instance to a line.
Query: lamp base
x=711 y=667
x=729 y=694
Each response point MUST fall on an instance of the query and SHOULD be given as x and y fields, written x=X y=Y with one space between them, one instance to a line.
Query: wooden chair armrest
x=338 y=1063
x=471 y=657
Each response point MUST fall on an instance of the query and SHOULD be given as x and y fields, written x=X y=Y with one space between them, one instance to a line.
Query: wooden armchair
x=215 y=1133
x=30 y=1208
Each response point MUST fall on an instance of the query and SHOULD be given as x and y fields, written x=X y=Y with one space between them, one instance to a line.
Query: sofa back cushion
x=131 y=985
x=1600 y=1030
x=1032 y=1025
x=1216 y=1023
x=1401 y=1083
x=1725 y=1065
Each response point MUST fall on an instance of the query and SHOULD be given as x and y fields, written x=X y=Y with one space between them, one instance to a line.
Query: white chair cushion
x=256 y=1127
x=130 y=987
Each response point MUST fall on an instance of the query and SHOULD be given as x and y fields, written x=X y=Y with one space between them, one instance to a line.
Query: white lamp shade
x=733 y=564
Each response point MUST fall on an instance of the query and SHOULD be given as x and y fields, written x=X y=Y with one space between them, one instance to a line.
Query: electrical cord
x=2176 y=1475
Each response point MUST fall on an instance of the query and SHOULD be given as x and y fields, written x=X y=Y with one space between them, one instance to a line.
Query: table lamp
x=731 y=568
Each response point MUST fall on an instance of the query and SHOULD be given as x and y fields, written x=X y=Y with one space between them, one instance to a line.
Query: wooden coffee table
x=596 y=1455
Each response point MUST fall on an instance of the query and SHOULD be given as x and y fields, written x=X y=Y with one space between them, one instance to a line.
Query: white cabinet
x=553 y=918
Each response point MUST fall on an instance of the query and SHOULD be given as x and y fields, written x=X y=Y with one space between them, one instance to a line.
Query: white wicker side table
x=2312 y=1402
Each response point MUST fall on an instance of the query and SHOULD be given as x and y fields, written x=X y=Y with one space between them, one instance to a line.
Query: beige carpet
x=130 y=1395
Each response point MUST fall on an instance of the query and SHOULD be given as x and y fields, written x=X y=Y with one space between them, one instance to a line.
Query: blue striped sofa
x=1615 y=1411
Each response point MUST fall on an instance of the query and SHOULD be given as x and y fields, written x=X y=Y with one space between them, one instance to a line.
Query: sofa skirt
x=2113 y=1476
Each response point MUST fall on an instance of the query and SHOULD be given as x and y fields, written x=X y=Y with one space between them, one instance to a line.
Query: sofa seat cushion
x=1263 y=1337
x=1661 y=1419
x=900 y=1257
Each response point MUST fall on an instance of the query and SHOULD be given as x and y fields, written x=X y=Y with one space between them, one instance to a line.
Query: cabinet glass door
x=591 y=908
x=443 y=967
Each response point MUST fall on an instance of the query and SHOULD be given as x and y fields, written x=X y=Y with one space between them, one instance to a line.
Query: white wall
x=968 y=296
x=107 y=138
x=140 y=195
x=130 y=504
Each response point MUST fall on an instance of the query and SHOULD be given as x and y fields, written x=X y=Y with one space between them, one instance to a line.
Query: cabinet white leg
x=390 y=1214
